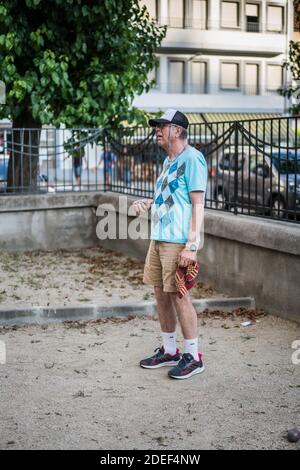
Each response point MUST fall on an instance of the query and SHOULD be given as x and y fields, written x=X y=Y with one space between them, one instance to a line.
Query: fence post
x=236 y=165
x=104 y=158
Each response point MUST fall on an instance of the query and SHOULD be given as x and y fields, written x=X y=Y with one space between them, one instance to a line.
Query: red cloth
x=185 y=278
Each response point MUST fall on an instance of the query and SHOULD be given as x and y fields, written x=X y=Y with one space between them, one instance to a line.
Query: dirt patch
x=74 y=277
x=78 y=385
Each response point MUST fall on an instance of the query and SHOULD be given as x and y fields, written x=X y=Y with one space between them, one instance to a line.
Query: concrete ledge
x=242 y=255
x=38 y=202
x=41 y=315
x=250 y=230
x=274 y=235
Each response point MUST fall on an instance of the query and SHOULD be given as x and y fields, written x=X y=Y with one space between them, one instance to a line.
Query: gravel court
x=78 y=386
x=77 y=277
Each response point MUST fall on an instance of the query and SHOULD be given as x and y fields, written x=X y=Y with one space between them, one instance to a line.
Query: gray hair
x=183 y=134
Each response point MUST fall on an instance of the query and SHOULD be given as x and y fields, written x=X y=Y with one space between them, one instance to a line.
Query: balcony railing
x=252 y=27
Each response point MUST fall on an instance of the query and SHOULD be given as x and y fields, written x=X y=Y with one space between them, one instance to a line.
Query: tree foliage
x=75 y=62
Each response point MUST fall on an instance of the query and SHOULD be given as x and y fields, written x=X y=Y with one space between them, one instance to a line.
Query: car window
x=228 y=162
x=224 y=163
x=285 y=166
x=257 y=162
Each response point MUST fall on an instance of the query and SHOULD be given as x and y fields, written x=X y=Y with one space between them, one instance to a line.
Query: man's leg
x=77 y=173
x=188 y=321
x=187 y=315
x=169 y=253
x=191 y=362
x=165 y=310
x=168 y=355
x=167 y=320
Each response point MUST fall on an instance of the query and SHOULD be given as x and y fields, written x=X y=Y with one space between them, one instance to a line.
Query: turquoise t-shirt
x=171 y=209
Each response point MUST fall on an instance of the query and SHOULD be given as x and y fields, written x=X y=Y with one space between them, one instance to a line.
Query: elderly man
x=176 y=219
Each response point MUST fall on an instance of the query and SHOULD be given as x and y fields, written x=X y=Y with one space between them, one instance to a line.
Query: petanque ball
x=293 y=435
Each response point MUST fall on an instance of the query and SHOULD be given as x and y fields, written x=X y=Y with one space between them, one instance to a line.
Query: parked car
x=266 y=182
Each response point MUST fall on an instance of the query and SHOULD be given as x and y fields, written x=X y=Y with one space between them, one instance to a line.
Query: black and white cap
x=171 y=116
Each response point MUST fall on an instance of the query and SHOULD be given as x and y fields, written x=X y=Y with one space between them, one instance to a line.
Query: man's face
x=165 y=134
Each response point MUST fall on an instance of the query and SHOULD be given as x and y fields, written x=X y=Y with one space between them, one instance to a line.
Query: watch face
x=193 y=248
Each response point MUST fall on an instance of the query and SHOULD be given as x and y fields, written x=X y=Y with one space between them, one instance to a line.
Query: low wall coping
x=274 y=235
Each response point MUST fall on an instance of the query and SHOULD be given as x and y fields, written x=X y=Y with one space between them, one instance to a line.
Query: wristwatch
x=191 y=247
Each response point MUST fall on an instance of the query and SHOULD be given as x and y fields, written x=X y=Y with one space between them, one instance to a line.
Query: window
x=199 y=14
x=176 y=76
x=274 y=77
x=152 y=8
x=229 y=76
x=275 y=18
x=188 y=14
x=251 y=79
x=176 y=13
x=230 y=15
x=252 y=17
x=198 y=84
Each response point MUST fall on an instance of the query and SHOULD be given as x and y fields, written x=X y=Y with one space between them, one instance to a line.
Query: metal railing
x=253 y=165
x=50 y=160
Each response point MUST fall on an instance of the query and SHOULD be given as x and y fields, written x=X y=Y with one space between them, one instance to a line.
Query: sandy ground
x=62 y=277
x=79 y=386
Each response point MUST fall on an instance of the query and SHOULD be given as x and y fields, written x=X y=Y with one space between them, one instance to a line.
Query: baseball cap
x=171 y=116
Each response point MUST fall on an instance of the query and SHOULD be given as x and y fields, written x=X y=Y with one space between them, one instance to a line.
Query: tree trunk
x=23 y=165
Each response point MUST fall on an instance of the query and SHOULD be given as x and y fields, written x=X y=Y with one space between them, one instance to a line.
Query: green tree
x=293 y=64
x=74 y=62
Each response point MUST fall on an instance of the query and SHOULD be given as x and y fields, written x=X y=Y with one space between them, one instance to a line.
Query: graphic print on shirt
x=171 y=210
x=166 y=186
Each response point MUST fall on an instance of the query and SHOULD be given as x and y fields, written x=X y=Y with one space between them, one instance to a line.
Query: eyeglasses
x=163 y=125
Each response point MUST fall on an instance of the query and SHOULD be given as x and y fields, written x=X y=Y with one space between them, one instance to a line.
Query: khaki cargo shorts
x=161 y=264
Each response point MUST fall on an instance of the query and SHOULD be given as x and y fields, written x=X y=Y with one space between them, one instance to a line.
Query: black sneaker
x=187 y=367
x=160 y=359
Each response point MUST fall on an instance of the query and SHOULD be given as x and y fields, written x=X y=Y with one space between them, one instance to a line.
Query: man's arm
x=197 y=201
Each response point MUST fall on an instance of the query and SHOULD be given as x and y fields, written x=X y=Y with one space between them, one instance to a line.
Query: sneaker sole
x=164 y=364
x=194 y=372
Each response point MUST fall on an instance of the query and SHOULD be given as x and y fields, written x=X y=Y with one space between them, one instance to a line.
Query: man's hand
x=142 y=205
x=187 y=257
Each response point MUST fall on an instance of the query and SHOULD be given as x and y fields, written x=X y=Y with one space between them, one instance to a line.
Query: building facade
x=221 y=56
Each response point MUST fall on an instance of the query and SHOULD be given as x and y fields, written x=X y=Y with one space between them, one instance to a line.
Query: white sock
x=169 y=342
x=191 y=346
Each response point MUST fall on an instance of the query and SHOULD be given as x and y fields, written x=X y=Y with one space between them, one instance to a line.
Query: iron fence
x=253 y=165
x=50 y=160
